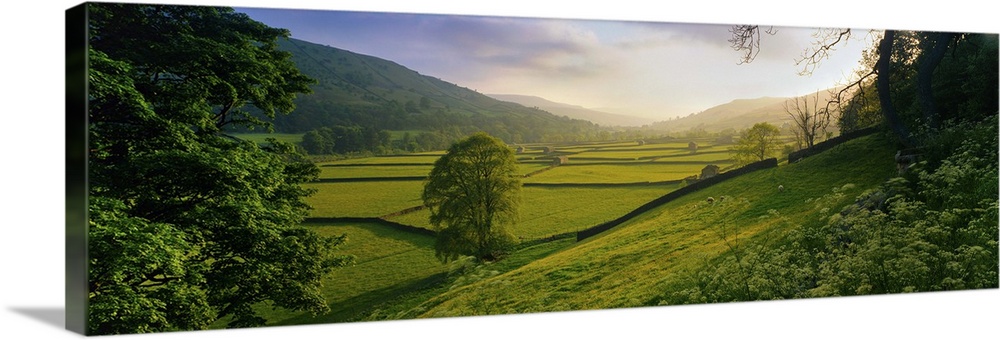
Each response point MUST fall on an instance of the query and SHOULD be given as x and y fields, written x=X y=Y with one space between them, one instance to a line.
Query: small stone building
x=520 y=149
x=692 y=146
x=560 y=160
x=549 y=149
x=641 y=142
x=709 y=171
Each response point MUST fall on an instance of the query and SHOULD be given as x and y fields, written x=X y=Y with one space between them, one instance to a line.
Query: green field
x=293 y=138
x=367 y=170
x=363 y=199
x=630 y=153
x=388 y=263
x=551 y=211
x=397 y=276
x=374 y=171
x=636 y=263
x=617 y=173
x=427 y=158
x=645 y=261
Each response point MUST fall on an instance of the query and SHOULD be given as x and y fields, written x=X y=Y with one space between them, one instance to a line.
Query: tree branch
x=747 y=38
x=826 y=41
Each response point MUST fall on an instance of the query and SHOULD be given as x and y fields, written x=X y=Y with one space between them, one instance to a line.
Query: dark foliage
x=187 y=225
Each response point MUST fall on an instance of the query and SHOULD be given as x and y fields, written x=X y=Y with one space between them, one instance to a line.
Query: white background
x=33 y=172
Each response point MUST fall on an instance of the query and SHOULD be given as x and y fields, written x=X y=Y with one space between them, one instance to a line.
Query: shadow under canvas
x=53 y=316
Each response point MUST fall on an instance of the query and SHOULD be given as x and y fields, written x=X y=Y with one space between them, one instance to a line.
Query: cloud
x=661 y=68
x=541 y=47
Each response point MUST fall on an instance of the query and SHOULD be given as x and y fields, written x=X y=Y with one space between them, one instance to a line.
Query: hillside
x=737 y=114
x=356 y=89
x=574 y=111
x=639 y=262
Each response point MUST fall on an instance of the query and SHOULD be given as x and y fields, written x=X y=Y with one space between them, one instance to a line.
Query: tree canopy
x=757 y=143
x=914 y=82
x=189 y=226
x=474 y=194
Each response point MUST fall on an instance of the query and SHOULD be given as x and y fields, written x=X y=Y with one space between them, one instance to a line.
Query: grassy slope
x=388 y=263
x=632 y=264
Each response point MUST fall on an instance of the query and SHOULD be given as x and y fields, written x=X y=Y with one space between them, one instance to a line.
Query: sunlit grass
x=551 y=211
x=374 y=171
x=293 y=138
x=388 y=262
x=363 y=199
x=717 y=157
x=634 y=264
x=427 y=158
x=617 y=173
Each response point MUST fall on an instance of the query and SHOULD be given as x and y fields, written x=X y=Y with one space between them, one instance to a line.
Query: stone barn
x=549 y=149
x=709 y=171
x=520 y=149
x=692 y=146
x=641 y=142
x=561 y=160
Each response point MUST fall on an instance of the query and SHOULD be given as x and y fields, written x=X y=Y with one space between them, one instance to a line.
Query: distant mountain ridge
x=357 y=89
x=574 y=111
x=737 y=114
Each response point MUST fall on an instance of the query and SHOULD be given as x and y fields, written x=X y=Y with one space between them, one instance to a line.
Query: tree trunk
x=884 y=68
x=934 y=51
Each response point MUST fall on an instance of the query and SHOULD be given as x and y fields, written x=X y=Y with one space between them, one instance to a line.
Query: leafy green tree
x=411 y=107
x=474 y=194
x=920 y=79
x=757 y=143
x=317 y=142
x=189 y=226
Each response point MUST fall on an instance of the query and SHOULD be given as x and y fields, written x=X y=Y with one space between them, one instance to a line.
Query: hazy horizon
x=653 y=70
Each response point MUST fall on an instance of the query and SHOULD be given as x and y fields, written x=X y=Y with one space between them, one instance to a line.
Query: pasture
x=611 y=173
x=647 y=259
x=548 y=211
x=388 y=263
x=363 y=199
x=396 y=269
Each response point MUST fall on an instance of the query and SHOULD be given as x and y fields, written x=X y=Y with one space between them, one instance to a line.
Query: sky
x=650 y=69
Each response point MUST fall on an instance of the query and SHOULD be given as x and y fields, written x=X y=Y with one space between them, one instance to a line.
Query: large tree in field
x=188 y=226
x=757 y=143
x=474 y=194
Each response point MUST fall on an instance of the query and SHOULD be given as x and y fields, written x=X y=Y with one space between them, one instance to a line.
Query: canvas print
x=251 y=167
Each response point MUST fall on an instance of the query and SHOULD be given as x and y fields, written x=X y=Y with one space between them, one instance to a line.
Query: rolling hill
x=737 y=114
x=356 y=89
x=574 y=111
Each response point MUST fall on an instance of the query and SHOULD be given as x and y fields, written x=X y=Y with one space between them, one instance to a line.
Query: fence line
x=370 y=179
x=395 y=225
x=701 y=184
x=601 y=185
x=373 y=165
x=829 y=143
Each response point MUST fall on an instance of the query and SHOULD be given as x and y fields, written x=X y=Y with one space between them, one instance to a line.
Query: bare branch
x=809 y=119
x=746 y=38
x=826 y=41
